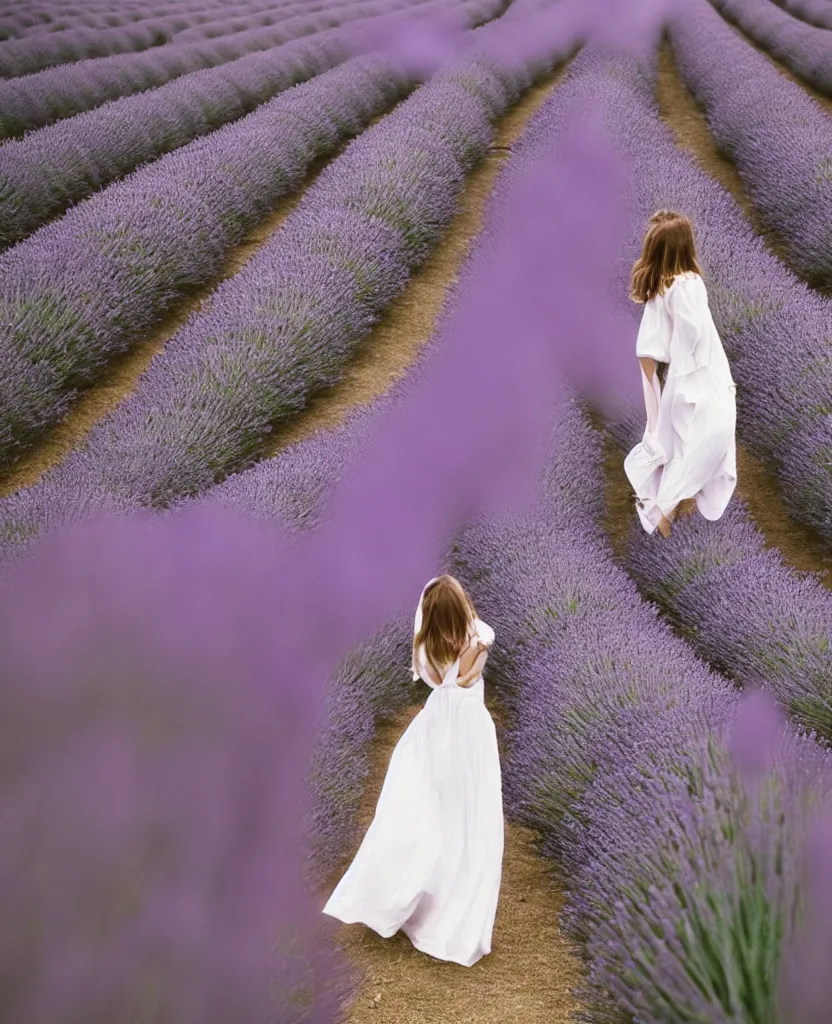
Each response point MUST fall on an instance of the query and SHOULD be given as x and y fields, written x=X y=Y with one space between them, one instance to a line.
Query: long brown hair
x=668 y=250
x=447 y=614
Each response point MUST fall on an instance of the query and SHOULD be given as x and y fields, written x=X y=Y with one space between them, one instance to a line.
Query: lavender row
x=37 y=53
x=619 y=758
x=26 y=56
x=34 y=21
x=47 y=22
x=84 y=288
x=181 y=15
x=781 y=142
x=745 y=610
x=51 y=169
x=56 y=93
x=774 y=327
x=806 y=50
x=815 y=12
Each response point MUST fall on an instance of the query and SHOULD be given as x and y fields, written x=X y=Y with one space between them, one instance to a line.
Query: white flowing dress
x=689 y=446
x=431 y=861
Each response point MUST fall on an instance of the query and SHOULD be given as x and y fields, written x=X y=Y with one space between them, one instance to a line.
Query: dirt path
x=527 y=979
x=757 y=484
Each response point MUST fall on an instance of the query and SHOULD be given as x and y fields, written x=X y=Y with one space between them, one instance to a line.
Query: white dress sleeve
x=653 y=340
x=692 y=326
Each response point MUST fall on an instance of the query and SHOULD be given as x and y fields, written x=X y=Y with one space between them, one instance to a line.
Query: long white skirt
x=690 y=452
x=431 y=861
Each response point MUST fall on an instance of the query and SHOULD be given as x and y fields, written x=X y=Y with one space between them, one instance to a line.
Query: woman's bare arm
x=648 y=365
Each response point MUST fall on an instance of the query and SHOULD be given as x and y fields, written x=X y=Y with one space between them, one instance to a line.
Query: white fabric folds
x=431 y=862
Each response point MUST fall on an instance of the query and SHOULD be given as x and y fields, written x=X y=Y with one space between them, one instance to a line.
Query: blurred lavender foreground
x=152 y=785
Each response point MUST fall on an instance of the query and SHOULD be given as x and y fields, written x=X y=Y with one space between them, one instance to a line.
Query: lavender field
x=305 y=301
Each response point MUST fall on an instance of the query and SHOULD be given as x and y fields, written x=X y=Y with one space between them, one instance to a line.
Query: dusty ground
x=757 y=485
x=527 y=979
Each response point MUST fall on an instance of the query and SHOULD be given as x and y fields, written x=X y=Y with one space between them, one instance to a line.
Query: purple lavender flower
x=804 y=49
x=40 y=99
x=745 y=610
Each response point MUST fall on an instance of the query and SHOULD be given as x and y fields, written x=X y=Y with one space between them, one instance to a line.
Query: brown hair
x=447 y=614
x=668 y=250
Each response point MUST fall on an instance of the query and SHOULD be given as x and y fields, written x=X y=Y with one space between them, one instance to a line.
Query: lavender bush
x=745 y=610
x=791 y=187
x=685 y=889
x=679 y=815
x=38 y=100
x=36 y=53
x=804 y=49
x=815 y=12
x=339 y=260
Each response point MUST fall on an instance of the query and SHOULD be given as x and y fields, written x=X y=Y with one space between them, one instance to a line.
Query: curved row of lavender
x=780 y=140
x=815 y=12
x=285 y=326
x=56 y=93
x=804 y=49
x=678 y=814
x=83 y=289
x=619 y=755
x=49 y=170
x=745 y=610
x=775 y=328
x=31 y=19
x=27 y=56
x=741 y=606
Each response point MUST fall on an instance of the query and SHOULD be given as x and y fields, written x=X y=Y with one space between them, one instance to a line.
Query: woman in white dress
x=431 y=861
x=689 y=446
